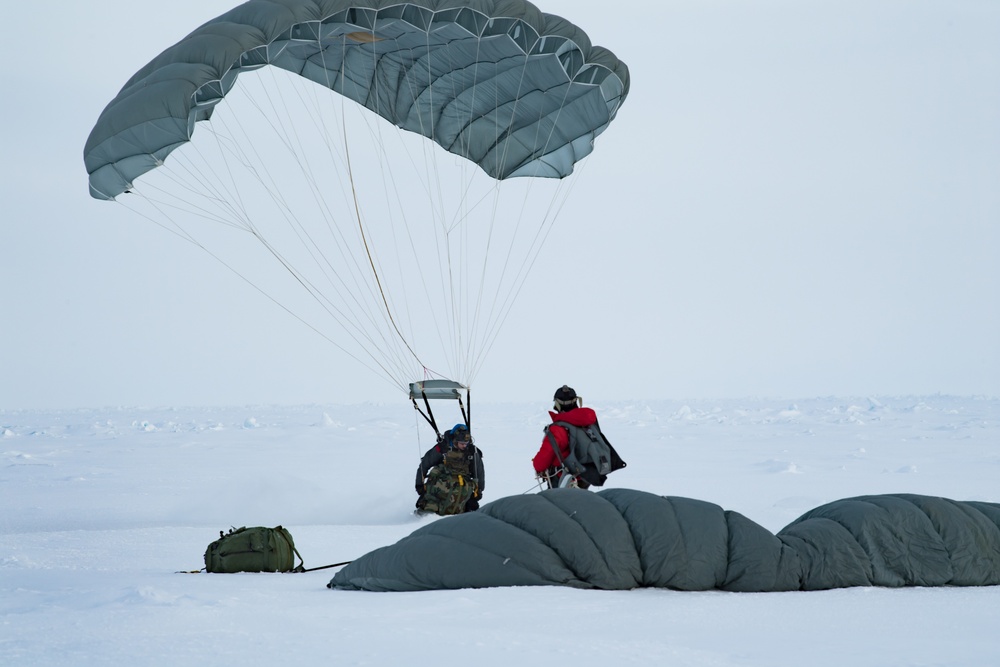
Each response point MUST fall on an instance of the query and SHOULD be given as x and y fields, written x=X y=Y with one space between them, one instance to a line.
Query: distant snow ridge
x=330 y=422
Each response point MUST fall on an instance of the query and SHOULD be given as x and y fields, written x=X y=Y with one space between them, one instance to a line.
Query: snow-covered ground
x=101 y=508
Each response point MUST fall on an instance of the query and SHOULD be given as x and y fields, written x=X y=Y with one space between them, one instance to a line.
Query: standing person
x=574 y=451
x=451 y=477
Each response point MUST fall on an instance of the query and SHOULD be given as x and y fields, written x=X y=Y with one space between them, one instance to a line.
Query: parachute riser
x=428 y=416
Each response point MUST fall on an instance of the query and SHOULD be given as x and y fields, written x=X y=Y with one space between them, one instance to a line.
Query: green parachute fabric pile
x=620 y=539
x=514 y=90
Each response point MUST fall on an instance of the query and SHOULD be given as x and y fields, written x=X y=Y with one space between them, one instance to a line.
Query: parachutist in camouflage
x=451 y=477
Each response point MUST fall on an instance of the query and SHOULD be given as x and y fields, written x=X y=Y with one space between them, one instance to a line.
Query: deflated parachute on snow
x=621 y=539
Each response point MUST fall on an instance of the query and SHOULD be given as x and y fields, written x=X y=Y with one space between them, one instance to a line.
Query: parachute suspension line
x=204 y=187
x=179 y=231
x=431 y=182
x=470 y=361
x=526 y=266
x=242 y=220
x=541 y=235
x=371 y=262
x=389 y=349
x=467 y=303
x=545 y=226
x=436 y=201
x=401 y=244
x=388 y=181
x=356 y=331
x=313 y=247
x=463 y=321
x=464 y=351
x=497 y=317
x=466 y=324
x=493 y=322
x=351 y=324
x=416 y=427
x=167 y=202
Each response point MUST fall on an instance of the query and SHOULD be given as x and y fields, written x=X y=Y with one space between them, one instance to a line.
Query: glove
x=421 y=490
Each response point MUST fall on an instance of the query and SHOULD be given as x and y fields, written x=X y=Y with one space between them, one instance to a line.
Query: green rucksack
x=256 y=549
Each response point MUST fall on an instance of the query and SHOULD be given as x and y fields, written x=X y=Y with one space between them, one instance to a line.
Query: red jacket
x=546 y=458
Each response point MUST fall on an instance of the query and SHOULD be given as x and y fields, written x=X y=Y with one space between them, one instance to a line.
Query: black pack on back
x=591 y=456
x=256 y=549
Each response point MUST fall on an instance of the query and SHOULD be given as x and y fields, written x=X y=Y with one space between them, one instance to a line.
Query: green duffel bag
x=256 y=549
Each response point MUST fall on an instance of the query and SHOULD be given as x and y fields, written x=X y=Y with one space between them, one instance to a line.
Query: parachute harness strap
x=566 y=474
x=555 y=446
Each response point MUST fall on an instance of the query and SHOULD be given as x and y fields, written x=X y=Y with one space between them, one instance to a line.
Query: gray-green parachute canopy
x=621 y=539
x=516 y=91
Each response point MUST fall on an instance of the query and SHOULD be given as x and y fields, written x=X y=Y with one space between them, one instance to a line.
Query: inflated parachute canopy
x=517 y=91
x=621 y=539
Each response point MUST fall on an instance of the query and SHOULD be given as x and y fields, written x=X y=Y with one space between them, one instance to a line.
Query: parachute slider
x=439 y=389
x=435 y=389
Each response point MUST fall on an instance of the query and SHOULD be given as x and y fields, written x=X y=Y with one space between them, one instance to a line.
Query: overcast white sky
x=797 y=199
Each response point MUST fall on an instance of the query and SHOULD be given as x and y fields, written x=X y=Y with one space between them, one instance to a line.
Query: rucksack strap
x=325 y=567
x=288 y=538
x=555 y=445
